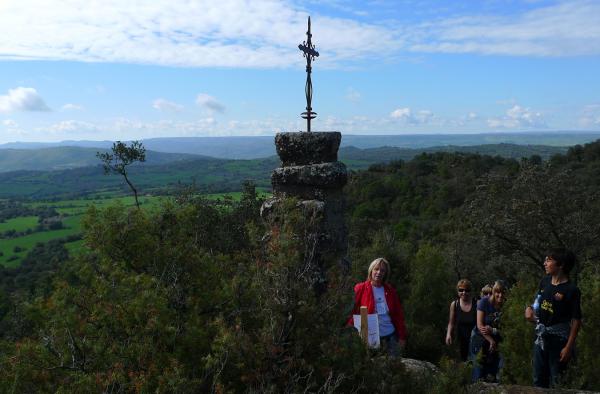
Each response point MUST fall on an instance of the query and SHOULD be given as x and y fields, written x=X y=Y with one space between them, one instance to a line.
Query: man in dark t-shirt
x=558 y=303
x=557 y=312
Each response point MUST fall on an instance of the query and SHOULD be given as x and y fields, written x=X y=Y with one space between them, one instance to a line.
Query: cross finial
x=309 y=52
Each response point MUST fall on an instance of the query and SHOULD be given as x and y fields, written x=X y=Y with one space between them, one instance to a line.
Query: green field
x=22 y=223
x=12 y=250
x=71 y=212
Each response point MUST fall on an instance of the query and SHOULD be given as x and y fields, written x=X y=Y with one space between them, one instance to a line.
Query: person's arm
x=403 y=332
x=396 y=312
x=485 y=331
x=567 y=351
x=450 y=329
x=357 y=296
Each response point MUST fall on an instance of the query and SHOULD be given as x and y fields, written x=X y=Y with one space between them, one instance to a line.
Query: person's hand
x=492 y=346
x=448 y=340
x=529 y=314
x=485 y=330
x=565 y=354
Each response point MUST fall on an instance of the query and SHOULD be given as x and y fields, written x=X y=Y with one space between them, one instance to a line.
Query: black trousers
x=547 y=367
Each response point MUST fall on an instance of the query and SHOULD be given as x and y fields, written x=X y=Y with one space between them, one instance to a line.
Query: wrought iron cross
x=308 y=51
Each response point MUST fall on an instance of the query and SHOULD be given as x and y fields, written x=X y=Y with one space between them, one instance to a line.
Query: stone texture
x=322 y=175
x=420 y=367
x=311 y=173
x=307 y=148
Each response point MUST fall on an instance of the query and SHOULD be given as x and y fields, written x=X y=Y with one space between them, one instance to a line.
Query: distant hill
x=362 y=158
x=211 y=174
x=65 y=157
x=69 y=157
x=262 y=146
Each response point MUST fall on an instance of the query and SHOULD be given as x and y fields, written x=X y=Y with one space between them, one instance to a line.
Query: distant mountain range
x=257 y=147
x=69 y=157
x=65 y=157
x=163 y=172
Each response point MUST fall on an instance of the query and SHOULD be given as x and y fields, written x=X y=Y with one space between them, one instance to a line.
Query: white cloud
x=462 y=121
x=265 y=34
x=209 y=103
x=10 y=124
x=590 y=116
x=566 y=28
x=518 y=117
x=166 y=106
x=22 y=99
x=71 y=127
x=225 y=33
x=407 y=116
x=401 y=113
x=72 y=107
x=13 y=130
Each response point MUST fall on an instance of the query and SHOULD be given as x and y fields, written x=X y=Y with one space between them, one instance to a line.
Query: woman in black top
x=463 y=315
x=557 y=314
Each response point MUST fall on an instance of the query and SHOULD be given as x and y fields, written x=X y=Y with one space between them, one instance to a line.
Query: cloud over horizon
x=22 y=99
x=407 y=116
x=590 y=116
x=518 y=117
x=166 y=105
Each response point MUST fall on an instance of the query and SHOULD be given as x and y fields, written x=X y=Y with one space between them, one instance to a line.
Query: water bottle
x=536 y=305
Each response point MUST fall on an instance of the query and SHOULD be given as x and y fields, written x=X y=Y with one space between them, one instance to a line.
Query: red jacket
x=363 y=296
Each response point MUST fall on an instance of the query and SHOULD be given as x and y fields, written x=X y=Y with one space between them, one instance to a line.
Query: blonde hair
x=375 y=263
x=486 y=290
x=498 y=285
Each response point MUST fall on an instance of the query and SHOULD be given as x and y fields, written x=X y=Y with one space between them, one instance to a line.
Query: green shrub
x=454 y=377
x=518 y=334
x=584 y=372
x=427 y=306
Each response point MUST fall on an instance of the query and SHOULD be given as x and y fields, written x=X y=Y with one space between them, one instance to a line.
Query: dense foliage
x=191 y=298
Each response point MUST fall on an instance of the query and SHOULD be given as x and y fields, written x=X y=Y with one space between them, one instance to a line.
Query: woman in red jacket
x=381 y=298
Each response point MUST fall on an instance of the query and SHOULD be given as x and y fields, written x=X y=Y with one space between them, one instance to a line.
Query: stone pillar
x=311 y=173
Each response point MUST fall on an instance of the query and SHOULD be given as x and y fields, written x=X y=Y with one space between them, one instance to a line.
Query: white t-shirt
x=383 y=313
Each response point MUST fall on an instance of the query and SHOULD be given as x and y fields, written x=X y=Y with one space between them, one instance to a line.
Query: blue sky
x=75 y=69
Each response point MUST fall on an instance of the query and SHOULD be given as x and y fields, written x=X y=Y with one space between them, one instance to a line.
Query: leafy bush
x=583 y=371
x=427 y=305
x=517 y=334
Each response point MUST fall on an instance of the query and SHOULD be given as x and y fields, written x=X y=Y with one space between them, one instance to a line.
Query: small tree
x=122 y=156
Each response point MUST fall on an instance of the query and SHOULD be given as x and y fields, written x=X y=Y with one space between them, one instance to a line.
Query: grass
x=7 y=246
x=72 y=226
x=19 y=224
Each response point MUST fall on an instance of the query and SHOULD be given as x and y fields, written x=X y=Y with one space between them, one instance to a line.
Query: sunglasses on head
x=464 y=290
